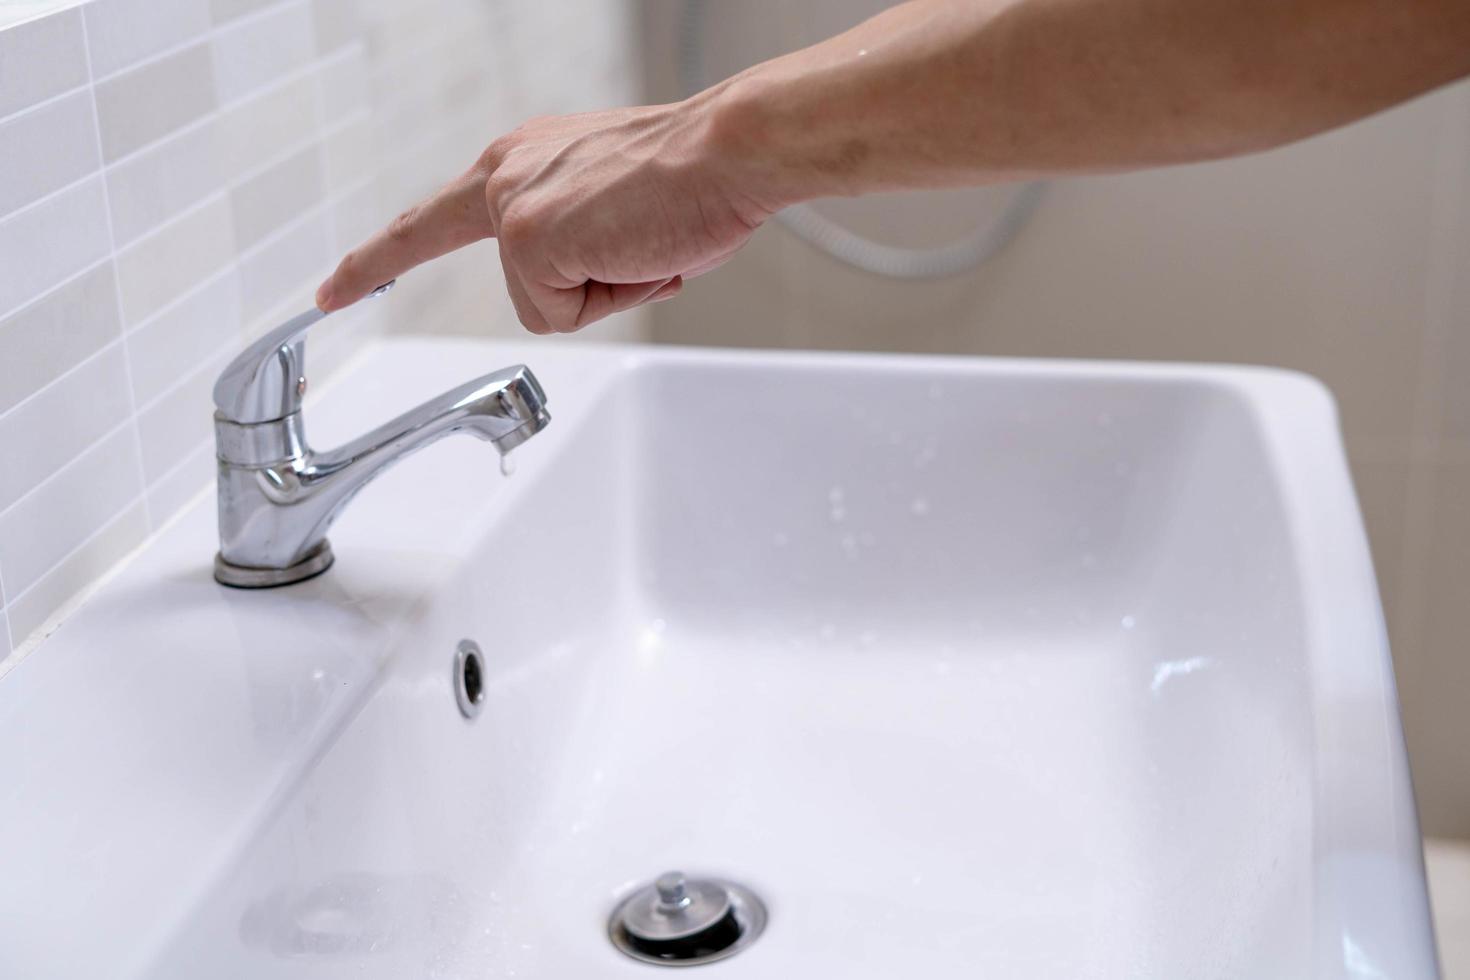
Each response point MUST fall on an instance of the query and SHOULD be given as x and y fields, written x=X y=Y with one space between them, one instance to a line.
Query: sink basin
x=968 y=668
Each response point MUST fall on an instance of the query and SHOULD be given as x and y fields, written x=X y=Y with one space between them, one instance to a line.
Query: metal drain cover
x=677 y=921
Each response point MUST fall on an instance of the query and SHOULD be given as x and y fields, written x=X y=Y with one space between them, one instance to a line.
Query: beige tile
x=176 y=489
x=164 y=180
x=180 y=421
x=297 y=257
x=342 y=86
x=338 y=22
x=276 y=196
x=150 y=101
x=348 y=155
x=46 y=149
x=173 y=344
x=169 y=262
x=262 y=128
x=223 y=11
x=1448 y=864
x=51 y=336
x=56 y=425
x=67 y=509
x=51 y=241
x=121 y=33
x=42 y=59
x=78 y=570
x=253 y=54
x=355 y=216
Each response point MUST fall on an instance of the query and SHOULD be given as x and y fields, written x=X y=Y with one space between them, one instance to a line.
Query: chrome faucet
x=278 y=497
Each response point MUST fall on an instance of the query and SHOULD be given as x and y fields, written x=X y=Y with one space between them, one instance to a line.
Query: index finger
x=452 y=218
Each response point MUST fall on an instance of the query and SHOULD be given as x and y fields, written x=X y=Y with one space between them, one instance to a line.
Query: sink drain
x=679 y=922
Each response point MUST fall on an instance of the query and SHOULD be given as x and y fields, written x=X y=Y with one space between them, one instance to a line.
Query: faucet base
x=318 y=560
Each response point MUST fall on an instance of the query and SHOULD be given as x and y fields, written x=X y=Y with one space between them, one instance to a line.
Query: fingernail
x=324 y=295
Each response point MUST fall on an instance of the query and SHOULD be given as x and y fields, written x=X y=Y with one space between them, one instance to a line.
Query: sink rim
x=1369 y=868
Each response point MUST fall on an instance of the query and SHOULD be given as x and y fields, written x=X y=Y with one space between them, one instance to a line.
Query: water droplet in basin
x=919 y=506
x=837 y=514
x=1128 y=622
x=779 y=539
x=507 y=465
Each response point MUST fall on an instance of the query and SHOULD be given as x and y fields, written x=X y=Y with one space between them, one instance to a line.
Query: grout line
x=45 y=103
x=122 y=512
x=68 y=606
x=90 y=267
x=234 y=264
x=117 y=296
x=193 y=291
x=206 y=36
x=295 y=224
x=50 y=196
x=59 y=471
x=154 y=57
x=56 y=8
x=321 y=135
x=218 y=112
x=96 y=355
x=319 y=138
x=214 y=363
x=173 y=134
x=185 y=458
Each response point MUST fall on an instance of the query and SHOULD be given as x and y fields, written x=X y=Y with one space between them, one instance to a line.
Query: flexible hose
x=845 y=245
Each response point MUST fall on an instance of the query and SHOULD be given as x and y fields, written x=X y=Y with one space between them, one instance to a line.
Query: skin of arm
x=600 y=212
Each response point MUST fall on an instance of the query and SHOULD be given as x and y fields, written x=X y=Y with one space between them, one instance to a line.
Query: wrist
x=747 y=140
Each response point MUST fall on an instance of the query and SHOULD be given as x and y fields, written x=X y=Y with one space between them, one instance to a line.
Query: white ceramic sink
x=969 y=668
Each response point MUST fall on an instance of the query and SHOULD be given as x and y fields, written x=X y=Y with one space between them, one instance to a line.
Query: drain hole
x=680 y=922
x=469 y=678
x=701 y=946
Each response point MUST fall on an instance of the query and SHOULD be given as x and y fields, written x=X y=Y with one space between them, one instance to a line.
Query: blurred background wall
x=1346 y=256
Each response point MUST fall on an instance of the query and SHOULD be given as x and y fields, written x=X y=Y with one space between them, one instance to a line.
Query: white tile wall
x=48 y=242
x=47 y=148
x=176 y=176
x=56 y=332
x=123 y=32
x=42 y=58
x=152 y=100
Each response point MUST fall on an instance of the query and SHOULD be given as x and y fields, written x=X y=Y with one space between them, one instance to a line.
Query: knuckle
x=517 y=230
x=494 y=154
x=402 y=227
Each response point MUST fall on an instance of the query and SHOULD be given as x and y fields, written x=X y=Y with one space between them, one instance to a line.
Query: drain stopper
x=679 y=922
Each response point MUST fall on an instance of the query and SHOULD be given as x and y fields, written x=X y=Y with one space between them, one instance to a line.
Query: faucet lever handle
x=266 y=380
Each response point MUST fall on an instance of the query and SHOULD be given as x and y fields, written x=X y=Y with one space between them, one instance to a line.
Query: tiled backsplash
x=177 y=175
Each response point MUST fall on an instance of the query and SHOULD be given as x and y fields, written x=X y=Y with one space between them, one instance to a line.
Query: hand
x=594 y=214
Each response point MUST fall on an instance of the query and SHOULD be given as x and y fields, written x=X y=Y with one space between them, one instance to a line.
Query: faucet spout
x=278 y=497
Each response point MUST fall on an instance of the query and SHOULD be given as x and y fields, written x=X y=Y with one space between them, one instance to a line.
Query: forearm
x=943 y=92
